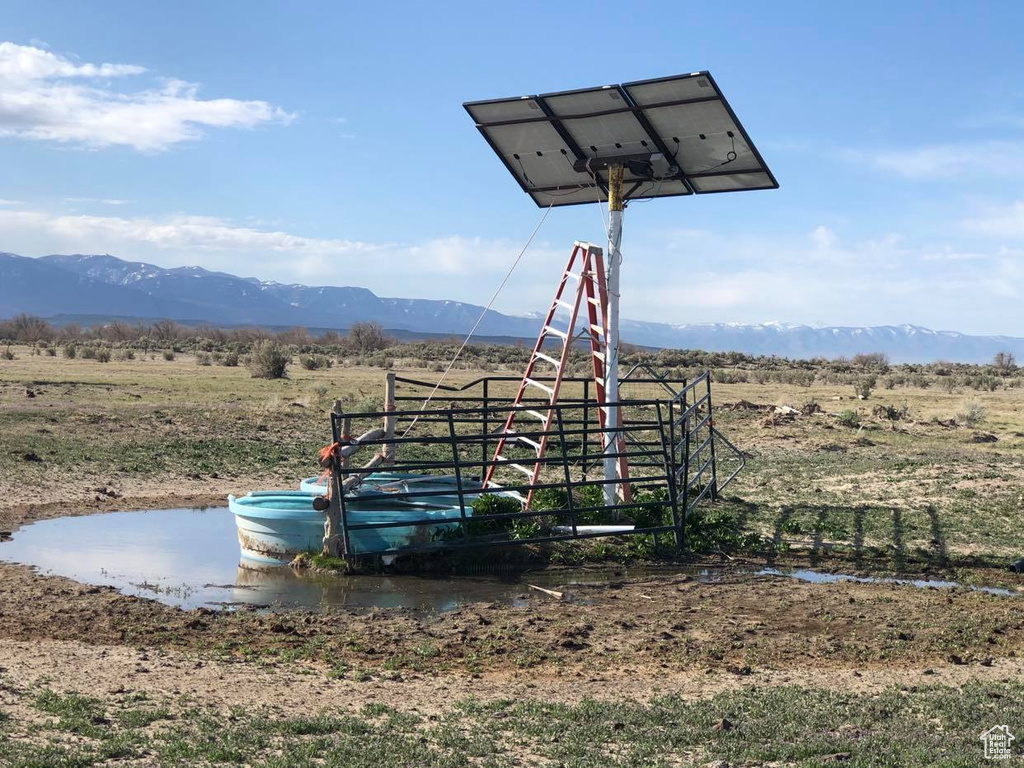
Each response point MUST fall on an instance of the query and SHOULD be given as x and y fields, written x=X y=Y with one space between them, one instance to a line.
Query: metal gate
x=696 y=443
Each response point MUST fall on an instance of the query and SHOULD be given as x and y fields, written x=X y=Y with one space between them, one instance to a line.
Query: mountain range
x=103 y=286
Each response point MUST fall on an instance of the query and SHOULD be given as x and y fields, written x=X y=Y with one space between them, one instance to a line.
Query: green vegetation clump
x=367 y=337
x=321 y=562
x=864 y=386
x=712 y=529
x=848 y=418
x=1005 y=361
x=168 y=355
x=315 y=362
x=268 y=361
x=971 y=414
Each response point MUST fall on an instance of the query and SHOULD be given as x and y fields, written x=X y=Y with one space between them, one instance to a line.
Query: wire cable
x=730 y=157
x=480 y=319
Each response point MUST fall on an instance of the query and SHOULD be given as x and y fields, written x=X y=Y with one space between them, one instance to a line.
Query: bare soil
x=111 y=671
x=642 y=635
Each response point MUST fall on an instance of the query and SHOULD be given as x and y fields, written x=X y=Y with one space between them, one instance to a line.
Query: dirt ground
x=105 y=671
x=639 y=638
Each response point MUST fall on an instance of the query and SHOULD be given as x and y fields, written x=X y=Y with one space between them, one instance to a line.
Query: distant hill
x=105 y=286
x=218 y=297
x=902 y=343
x=44 y=288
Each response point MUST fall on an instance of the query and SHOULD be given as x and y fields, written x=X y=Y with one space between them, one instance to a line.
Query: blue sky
x=326 y=143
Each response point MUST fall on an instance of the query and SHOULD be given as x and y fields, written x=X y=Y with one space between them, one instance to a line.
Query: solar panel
x=674 y=135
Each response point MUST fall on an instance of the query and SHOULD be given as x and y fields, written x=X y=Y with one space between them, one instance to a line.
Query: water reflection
x=817 y=577
x=190 y=558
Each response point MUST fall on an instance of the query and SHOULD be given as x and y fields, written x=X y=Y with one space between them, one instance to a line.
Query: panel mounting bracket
x=639 y=164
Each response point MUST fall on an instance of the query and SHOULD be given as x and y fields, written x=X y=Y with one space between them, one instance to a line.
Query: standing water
x=190 y=558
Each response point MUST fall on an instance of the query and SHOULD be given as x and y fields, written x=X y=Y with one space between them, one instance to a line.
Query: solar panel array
x=680 y=133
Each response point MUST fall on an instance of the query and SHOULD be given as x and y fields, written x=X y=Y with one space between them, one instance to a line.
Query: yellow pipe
x=615 y=174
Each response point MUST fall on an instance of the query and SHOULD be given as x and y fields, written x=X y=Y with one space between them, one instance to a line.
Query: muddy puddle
x=190 y=558
x=819 y=577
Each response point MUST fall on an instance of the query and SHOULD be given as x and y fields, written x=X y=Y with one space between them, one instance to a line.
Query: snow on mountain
x=103 y=285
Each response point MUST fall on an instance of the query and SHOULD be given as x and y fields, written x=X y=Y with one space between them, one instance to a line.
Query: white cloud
x=23 y=62
x=196 y=233
x=701 y=276
x=674 y=277
x=222 y=244
x=103 y=200
x=1005 y=221
x=47 y=97
x=9 y=202
x=947 y=161
x=824 y=238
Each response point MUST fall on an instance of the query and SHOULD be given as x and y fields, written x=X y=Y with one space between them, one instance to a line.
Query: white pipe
x=611 y=390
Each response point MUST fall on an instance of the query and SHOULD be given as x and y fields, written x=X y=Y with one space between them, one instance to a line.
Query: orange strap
x=324 y=456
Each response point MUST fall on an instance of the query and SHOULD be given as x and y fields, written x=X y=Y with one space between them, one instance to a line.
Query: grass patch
x=77 y=714
x=794 y=726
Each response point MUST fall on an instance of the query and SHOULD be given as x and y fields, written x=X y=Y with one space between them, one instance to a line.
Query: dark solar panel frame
x=594 y=186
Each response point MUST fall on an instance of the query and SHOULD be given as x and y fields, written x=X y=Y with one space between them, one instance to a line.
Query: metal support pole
x=457 y=468
x=711 y=442
x=389 y=420
x=586 y=425
x=485 y=452
x=670 y=470
x=611 y=390
x=568 y=477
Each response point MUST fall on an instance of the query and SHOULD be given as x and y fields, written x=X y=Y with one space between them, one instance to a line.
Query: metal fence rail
x=670 y=446
x=449 y=442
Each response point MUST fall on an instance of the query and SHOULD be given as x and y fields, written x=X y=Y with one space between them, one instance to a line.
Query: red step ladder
x=586 y=271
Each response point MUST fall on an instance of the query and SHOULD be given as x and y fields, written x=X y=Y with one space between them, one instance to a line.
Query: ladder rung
x=511 y=494
x=537 y=384
x=521 y=468
x=597 y=329
x=523 y=439
x=549 y=329
x=595 y=302
x=565 y=304
x=548 y=359
x=538 y=415
x=598 y=355
x=572 y=274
